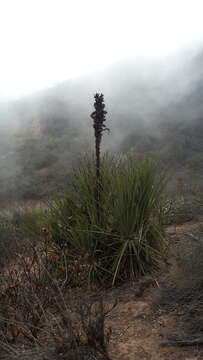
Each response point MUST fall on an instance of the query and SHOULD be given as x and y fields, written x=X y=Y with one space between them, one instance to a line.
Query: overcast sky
x=44 y=42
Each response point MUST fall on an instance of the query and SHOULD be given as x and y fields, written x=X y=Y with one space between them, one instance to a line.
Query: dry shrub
x=36 y=315
x=25 y=292
x=9 y=244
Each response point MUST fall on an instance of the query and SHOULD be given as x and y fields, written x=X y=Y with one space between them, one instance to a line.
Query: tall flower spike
x=99 y=118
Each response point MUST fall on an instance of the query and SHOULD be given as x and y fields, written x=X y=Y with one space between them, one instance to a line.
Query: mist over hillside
x=154 y=106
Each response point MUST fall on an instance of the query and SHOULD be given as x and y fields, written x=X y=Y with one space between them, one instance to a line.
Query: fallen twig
x=194 y=342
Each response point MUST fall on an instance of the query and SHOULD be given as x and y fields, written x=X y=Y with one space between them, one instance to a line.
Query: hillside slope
x=154 y=107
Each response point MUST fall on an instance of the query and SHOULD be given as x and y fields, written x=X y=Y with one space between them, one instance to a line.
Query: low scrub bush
x=9 y=244
x=38 y=319
x=30 y=220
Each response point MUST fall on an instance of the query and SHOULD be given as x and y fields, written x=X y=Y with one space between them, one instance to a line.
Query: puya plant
x=109 y=220
x=99 y=118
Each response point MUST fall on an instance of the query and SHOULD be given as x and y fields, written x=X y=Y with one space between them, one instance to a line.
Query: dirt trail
x=188 y=226
x=138 y=334
x=138 y=330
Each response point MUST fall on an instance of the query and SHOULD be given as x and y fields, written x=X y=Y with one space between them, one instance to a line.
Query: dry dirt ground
x=139 y=329
x=138 y=332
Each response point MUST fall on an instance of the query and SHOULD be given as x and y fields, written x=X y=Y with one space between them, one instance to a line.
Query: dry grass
x=39 y=320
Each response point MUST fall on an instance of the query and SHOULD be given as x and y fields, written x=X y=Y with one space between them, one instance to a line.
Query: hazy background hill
x=153 y=106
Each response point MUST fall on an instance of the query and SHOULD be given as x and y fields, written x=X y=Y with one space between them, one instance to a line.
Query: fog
x=145 y=58
x=44 y=43
x=137 y=90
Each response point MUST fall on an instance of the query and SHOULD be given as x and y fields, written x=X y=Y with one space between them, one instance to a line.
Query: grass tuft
x=129 y=238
